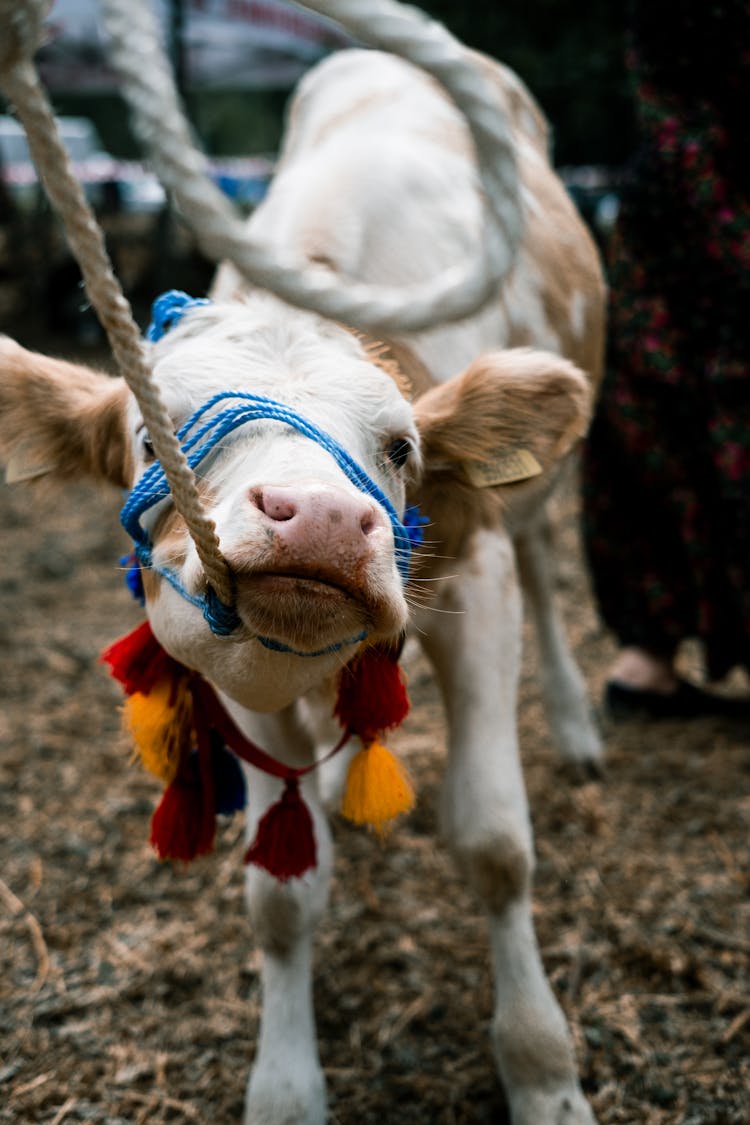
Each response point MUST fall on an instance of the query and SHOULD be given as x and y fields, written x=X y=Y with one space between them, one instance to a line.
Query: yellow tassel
x=161 y=725
x=377 y=788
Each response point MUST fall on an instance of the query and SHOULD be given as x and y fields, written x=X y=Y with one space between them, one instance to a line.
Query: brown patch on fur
x=171 y=536
x=62 y=417
x=524 y=113
x=510 y=399
x=529 y=1042
x=350 y=113
x=277 y=918
x=455 y=510
x=499 y=870
x=151 y=584
x=571 y=267
x=398 y=360
x=571 y=262
x=315 y=258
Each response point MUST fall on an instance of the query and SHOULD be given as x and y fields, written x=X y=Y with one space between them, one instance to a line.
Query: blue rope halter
x=199 y=437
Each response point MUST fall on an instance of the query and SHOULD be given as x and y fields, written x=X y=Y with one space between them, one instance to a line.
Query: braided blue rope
x=200 y=436
x=153 y=487
x=168 y=310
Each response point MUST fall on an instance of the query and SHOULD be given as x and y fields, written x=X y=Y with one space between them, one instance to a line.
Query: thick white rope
x=21 y=23
x=148 y=85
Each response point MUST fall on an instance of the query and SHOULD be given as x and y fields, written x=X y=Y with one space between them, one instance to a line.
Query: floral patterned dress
x=667 y=462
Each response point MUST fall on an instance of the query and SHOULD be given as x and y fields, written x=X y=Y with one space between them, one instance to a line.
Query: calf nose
x=312 y=515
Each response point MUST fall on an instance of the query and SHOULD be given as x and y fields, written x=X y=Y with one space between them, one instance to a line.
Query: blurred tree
x=570 y=54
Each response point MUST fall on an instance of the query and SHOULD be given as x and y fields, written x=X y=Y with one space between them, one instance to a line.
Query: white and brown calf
x=377 y=182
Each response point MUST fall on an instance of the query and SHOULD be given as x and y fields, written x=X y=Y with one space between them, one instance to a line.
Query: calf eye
x=398 y=452
x=147 y=447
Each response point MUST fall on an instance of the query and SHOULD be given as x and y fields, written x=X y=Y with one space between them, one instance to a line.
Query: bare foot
x=640 y=669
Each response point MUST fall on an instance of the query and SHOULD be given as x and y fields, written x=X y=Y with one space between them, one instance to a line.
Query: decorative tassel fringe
x=372 y=698
x=372 y=694
x=134 y=577
x=377 y=788
x=229 y=781
x=138 y=661
x=182 y=826
x=161 y=725
x=284 y=844
x=169 y=710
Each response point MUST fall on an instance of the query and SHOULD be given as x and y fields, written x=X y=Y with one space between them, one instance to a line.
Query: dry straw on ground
x=129 y=990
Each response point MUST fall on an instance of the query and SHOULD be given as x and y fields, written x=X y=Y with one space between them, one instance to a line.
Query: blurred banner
x=215 y=44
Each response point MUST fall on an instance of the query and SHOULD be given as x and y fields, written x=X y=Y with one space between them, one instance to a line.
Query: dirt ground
x=129 y=990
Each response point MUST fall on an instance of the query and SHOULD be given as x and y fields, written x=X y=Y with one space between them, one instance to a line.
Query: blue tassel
x=414 y=523
x=229 y=781
x=168 y=309
x=133 y=577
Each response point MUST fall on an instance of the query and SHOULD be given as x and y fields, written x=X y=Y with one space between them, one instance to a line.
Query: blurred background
x=236 y=62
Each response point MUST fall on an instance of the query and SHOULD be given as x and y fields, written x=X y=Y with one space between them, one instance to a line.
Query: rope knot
x=222 y=619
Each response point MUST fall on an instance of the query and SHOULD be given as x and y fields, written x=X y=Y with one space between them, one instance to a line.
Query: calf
x=377 y=182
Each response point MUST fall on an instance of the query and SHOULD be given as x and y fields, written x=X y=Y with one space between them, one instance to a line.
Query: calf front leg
x=564 y=695
x=286 y=1085
x=475 y=649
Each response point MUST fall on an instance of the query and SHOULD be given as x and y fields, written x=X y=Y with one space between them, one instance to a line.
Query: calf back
x=377 y=181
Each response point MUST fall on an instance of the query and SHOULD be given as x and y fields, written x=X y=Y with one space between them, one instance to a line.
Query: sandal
x=623 y=703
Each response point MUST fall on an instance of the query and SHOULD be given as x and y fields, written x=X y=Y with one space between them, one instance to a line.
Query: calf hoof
x=283 y=1097
x=561 y=1106
x=579 y=743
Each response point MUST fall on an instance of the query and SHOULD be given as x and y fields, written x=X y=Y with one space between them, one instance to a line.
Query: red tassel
x=138 y=661
x=372 y=694
x=284 y=844
x=182 y=827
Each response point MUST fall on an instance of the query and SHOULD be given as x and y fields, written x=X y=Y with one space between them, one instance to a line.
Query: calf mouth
x=307 y=611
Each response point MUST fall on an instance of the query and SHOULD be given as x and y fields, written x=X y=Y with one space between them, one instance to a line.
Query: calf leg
x=564 y=694
x=484 y=815
x=286 y=1085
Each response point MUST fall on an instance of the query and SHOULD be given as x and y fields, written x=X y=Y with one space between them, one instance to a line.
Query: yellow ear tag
x=508 y=467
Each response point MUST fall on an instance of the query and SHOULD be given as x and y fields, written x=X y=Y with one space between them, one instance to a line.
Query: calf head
x=311 y=551
x=311 y=554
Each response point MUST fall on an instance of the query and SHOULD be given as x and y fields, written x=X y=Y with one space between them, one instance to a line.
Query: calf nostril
x=274 y=503
x=368 y=522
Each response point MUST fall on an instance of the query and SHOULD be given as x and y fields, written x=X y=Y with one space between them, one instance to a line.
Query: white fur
x=321 y=371
x=376 y=181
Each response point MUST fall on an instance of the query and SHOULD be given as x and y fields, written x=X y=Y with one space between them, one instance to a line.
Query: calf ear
x=60 y=420
x=493 y=437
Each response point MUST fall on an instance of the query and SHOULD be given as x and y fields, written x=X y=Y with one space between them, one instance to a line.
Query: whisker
x=435 y=578
x=436 y=609
x=420 y=555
